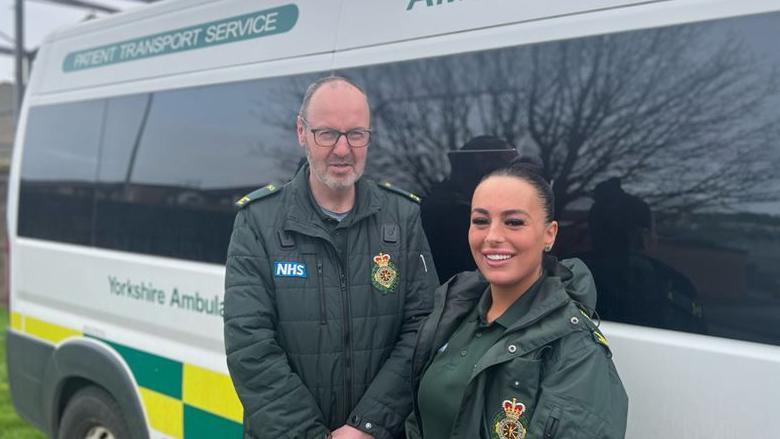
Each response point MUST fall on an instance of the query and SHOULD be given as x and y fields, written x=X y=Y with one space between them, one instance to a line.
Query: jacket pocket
x=551 y=425
x=512 y=389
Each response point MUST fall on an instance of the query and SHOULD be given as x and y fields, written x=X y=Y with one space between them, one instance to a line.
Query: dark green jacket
x=553 y=360
x=311 y=342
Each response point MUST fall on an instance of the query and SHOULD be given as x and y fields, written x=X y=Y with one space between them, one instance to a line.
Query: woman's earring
x=547 y=248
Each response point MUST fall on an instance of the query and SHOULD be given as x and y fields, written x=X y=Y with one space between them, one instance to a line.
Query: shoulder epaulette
x=598 y=336
x=256 y=195
x=387 y=185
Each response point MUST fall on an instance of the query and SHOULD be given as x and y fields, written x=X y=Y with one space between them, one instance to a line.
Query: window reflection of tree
x=684 y=116
x=277 y=110
x=651 y=107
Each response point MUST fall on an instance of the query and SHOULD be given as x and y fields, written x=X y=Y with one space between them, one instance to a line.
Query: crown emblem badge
x=510 y=423
x=384 y=275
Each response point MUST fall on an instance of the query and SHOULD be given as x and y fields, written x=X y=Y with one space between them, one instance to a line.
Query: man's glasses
x=328 y=137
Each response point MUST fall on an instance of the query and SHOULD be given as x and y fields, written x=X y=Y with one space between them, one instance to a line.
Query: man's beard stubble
x=332 y=183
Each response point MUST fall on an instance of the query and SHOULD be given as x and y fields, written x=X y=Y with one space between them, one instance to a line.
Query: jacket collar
x=516 y=310
x=566 y=281
x=303 y=215
x=463 y=292
x=551 y=296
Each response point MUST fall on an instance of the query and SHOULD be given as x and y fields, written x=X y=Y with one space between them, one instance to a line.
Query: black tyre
x=92 y=414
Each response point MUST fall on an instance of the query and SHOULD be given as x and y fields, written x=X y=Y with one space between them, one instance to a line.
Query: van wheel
x=92 y=414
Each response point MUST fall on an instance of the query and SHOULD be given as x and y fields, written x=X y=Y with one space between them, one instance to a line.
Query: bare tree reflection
x=276 y=111
x=649 y=107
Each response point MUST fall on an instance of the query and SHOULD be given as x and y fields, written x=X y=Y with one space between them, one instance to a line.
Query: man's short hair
x=314 y=86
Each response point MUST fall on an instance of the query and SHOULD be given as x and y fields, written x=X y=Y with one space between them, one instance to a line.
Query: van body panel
x=25 y=376
x=201 y=37
x=372 y=24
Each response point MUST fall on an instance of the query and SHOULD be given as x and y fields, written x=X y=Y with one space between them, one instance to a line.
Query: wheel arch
x=81 y=362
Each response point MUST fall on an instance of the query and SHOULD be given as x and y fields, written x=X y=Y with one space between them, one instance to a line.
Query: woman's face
x=509 y=232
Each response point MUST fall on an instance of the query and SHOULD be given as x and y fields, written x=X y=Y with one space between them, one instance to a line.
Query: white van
x=657 y=121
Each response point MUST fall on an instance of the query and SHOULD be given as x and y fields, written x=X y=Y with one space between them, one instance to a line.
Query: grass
x=11 y=425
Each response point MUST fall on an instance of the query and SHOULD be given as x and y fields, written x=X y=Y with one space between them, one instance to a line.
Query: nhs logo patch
x=289 y=269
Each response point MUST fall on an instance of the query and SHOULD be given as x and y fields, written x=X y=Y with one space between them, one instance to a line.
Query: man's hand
x=349 y=432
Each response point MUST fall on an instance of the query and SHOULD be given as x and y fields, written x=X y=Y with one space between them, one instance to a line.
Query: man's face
x=339 y=106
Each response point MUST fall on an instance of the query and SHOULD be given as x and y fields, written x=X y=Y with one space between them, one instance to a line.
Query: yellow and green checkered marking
x=181 y=400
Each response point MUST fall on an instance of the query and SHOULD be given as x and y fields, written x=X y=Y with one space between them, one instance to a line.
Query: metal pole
x=21 y=54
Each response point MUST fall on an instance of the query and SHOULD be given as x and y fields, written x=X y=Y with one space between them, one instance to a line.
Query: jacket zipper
x=347 y=326
x=347 y=339
x=321 y=282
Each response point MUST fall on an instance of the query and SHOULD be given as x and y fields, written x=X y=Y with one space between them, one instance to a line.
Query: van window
x=173 y=163
x=58 y=172
x=662 y=146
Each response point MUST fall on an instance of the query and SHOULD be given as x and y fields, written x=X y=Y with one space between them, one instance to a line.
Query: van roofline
x=140 y=12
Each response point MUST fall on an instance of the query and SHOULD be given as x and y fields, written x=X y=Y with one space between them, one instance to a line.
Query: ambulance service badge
x=510 y=423
x=384 y=275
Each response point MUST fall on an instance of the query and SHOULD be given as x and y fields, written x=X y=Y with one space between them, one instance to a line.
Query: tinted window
x=174 y=162
x=58 y=172
x=662 y=145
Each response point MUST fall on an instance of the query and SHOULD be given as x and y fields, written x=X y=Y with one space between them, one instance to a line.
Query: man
x=327 y=280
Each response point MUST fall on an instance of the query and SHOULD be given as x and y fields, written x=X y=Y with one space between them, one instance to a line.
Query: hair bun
x=531 y=170
x=531 y=164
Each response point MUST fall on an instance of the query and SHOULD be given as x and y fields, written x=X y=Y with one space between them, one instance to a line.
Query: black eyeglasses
x=328 y=137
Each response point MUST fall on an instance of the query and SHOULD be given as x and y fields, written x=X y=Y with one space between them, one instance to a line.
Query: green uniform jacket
x=553 y=360
x=312 y=343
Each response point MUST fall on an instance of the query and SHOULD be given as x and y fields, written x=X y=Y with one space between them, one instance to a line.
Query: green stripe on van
x=204 y=425
x=228 y=30
x=152 y=371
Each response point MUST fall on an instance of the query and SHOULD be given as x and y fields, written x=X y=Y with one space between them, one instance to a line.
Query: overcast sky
x=41 y=18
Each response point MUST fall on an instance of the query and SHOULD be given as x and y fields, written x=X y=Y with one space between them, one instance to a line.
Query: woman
x=510 y=352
